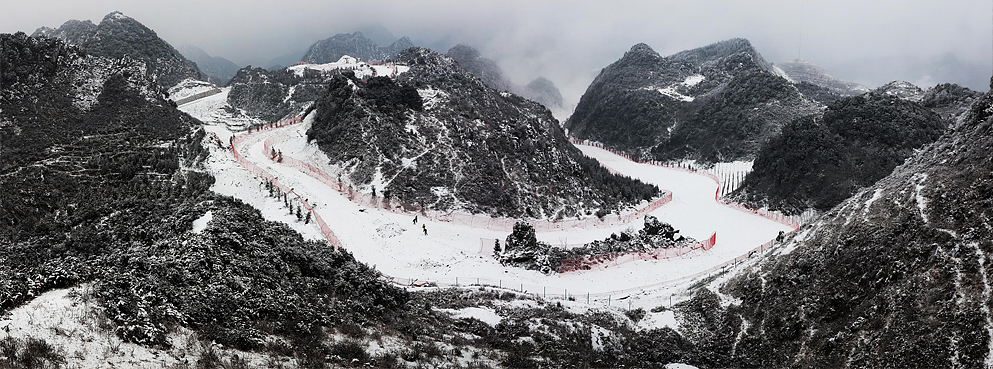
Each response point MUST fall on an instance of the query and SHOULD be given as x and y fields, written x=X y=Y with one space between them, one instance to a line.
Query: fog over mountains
x=637 y=185
x=925 y=43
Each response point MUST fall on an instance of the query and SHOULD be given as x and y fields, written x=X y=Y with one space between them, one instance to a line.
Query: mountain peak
x=423 y=56
x=903 y=90
x=463 y=52
x=353 y=44
x=643 y=48
x=116 y=16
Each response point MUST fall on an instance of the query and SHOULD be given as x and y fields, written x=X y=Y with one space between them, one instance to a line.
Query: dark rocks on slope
x=117 y=36
x=896 y=276
x=820 y=160
x=684 y=105
x=457 y=144
x=355 y=45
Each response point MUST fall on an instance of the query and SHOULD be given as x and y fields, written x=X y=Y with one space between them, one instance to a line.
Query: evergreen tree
x=306 y=220
x=299 y=214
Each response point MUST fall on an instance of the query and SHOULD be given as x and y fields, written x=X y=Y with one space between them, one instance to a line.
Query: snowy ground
x=455 y=253
x=211 y=110
x=189 y=87
x=71 y=321
x=360 y=68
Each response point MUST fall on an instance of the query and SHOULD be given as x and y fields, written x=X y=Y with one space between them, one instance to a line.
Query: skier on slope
x=425 y=228
x=415 y=219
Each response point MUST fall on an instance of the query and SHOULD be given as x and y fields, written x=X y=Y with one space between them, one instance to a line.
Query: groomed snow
x=211 y=110
x=457 y=253
x=671 y=92
x=189 y=87
x=484 y=314
x=693 y=80
x=659 y=320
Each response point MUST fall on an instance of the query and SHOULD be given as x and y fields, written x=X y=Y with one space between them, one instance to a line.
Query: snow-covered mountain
x=107 y=192
x=820 y=160
x=903 y=90
x=804 y=71
x=949 y=100
x=355 y=45
x=271 y=95
x=896 y=276
x=438 y=136
x=118 y=36
x=219 y=70
x=715 y=103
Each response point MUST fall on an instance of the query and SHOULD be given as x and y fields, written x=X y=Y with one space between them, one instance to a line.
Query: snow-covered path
x=452 y=252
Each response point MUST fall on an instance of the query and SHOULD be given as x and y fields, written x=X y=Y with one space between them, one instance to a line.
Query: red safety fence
x=266 y=176
x=461 y=218
x=587 y=263
x=603 y=261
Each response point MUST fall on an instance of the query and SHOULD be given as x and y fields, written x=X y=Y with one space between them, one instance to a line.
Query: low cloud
x=569 y=42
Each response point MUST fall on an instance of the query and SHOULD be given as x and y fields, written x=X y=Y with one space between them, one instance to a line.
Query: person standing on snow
x=425 y=228
x=415 y=219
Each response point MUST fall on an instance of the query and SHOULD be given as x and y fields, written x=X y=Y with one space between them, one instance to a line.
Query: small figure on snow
x=415 y=219
x=425 y=228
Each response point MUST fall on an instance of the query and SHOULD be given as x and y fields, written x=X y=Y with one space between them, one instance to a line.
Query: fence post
x=544 y=291
x=608 y=300
x=456 y=281
x=587 y=298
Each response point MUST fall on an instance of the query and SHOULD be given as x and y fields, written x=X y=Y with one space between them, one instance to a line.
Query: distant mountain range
x=924 y=72
x=218 y=69
x=355 y=45
x=117 y=36
x=540 y=89
x=803 y=71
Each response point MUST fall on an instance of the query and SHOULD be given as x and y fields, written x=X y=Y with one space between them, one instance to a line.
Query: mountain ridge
x=714 y=103
x=447 y=141
x=117 y=36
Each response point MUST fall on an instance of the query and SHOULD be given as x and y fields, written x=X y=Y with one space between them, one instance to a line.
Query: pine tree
x=299 y=214
x=306 y=219
x=496 y=247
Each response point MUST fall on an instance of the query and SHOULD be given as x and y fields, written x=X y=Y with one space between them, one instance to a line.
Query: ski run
x=458 y=254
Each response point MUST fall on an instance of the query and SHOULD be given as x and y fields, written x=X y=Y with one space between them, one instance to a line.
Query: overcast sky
x=568 y=41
